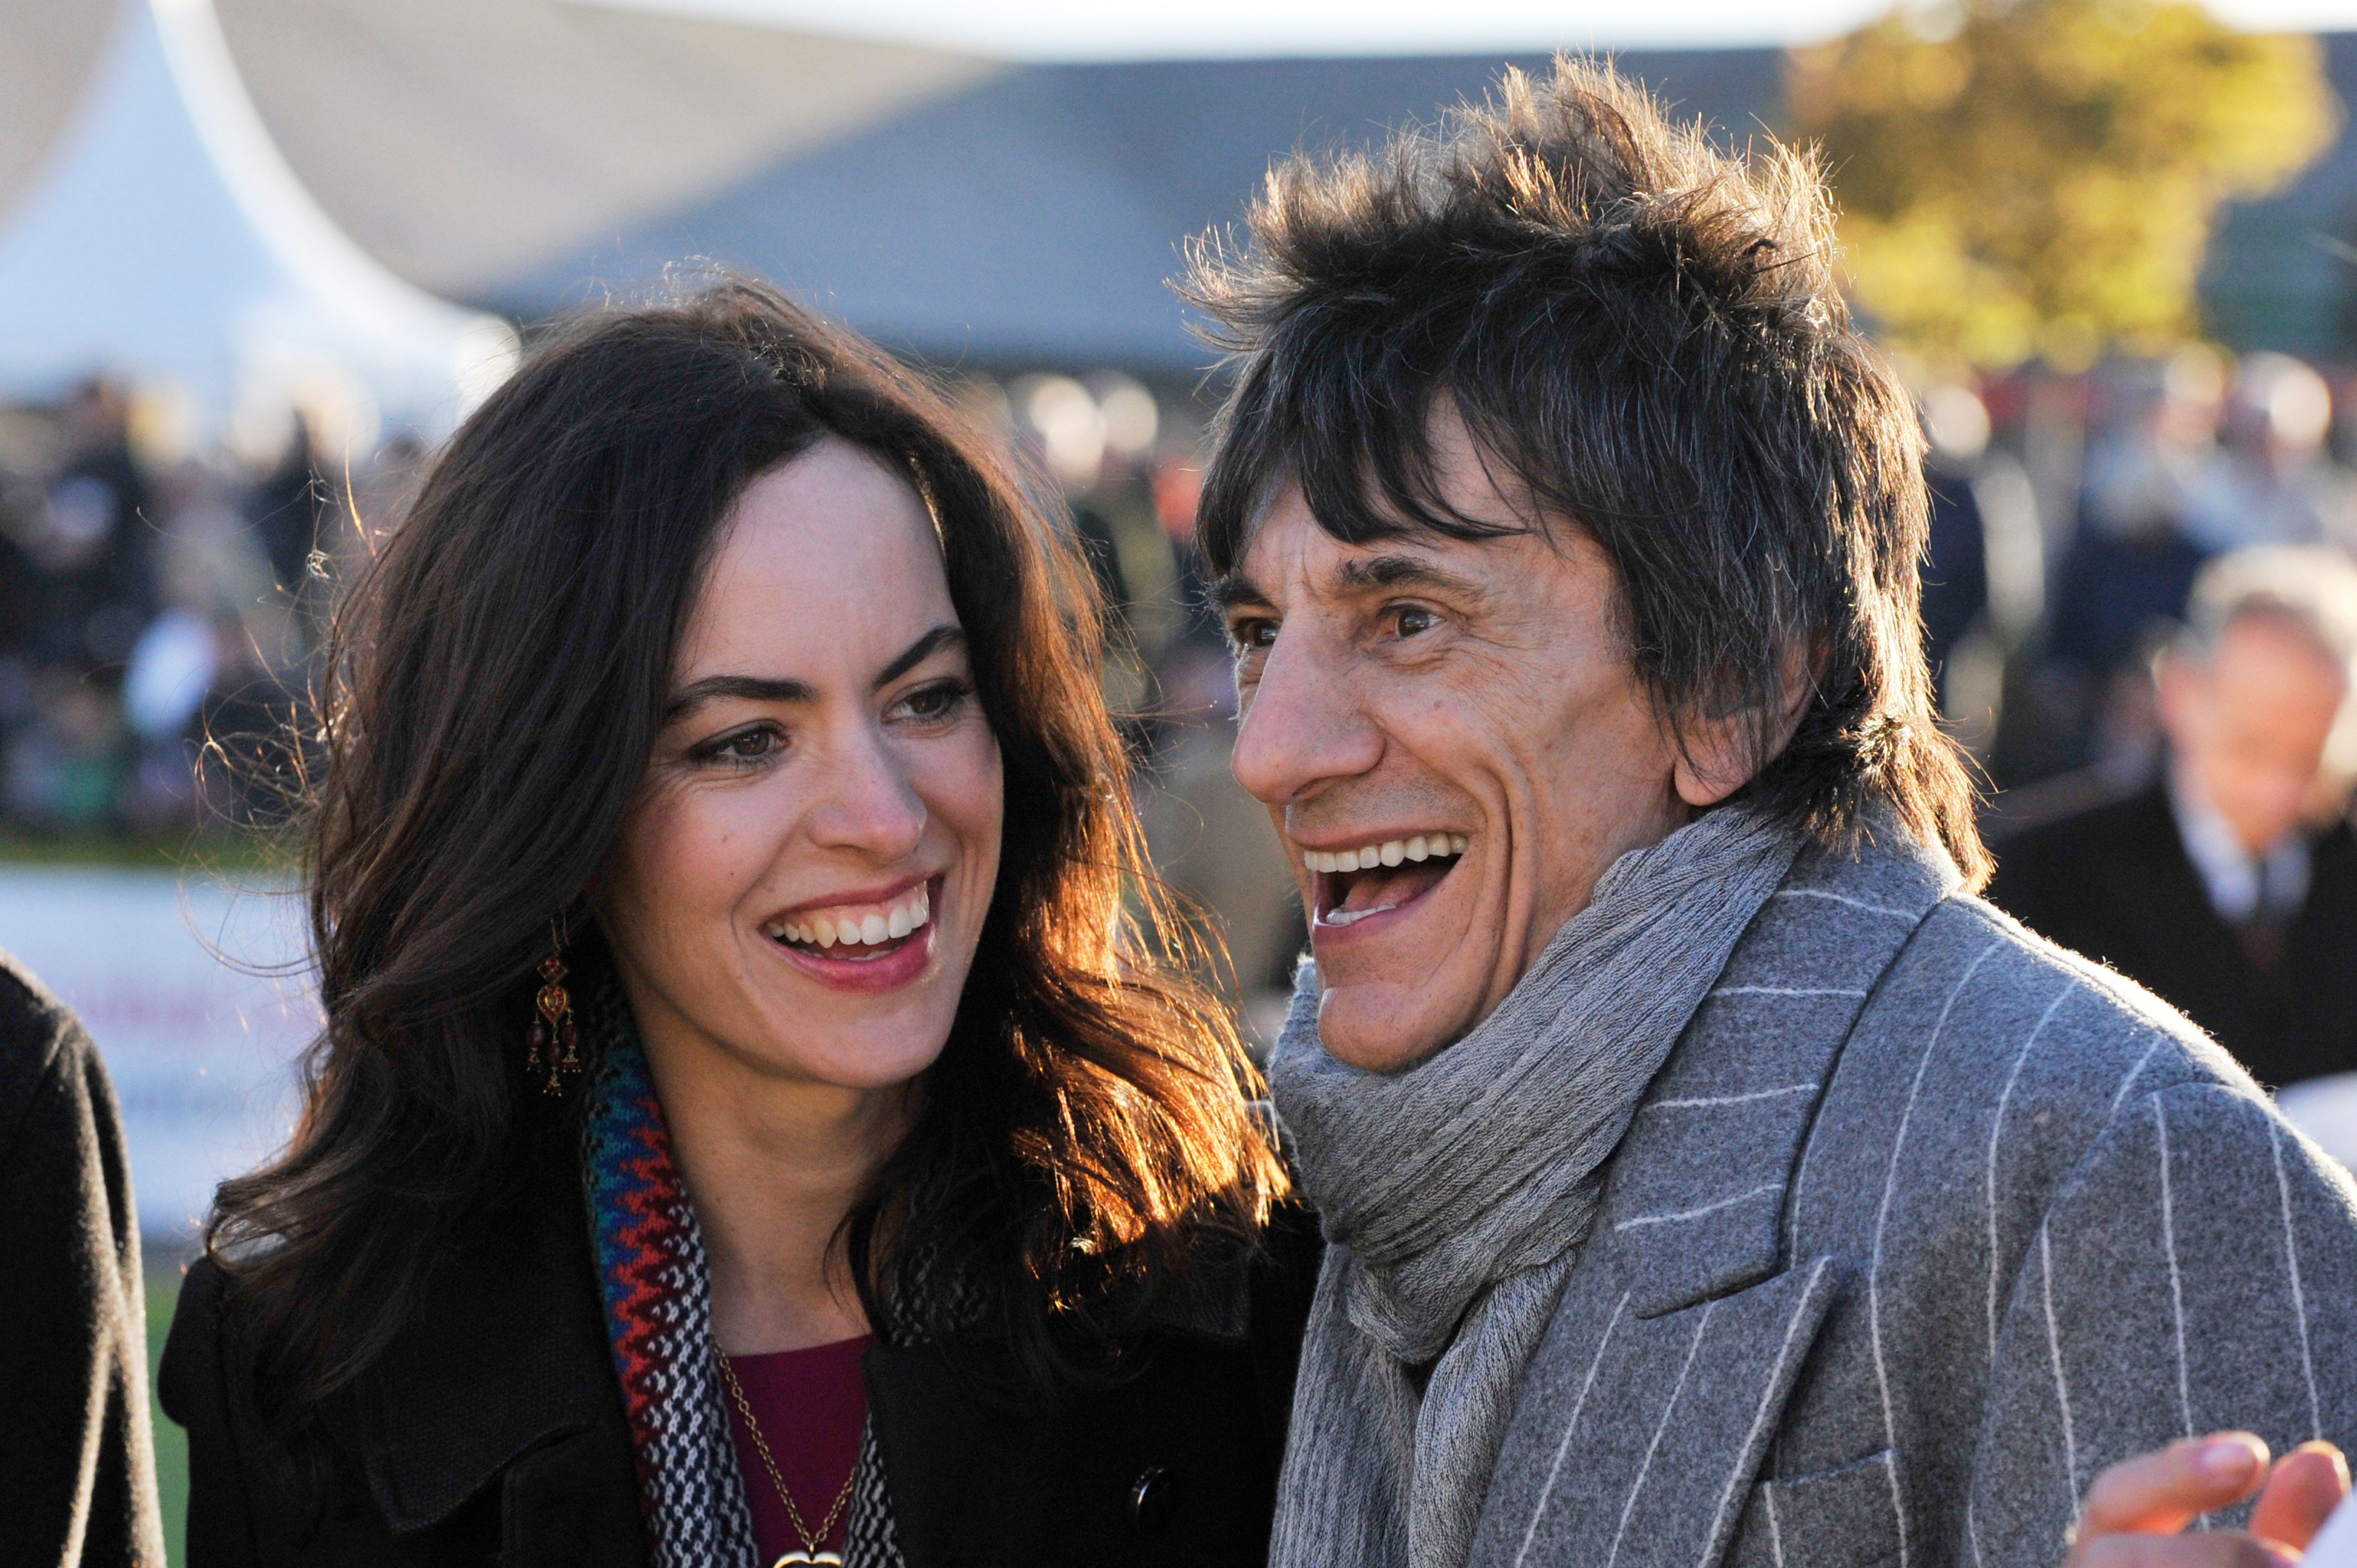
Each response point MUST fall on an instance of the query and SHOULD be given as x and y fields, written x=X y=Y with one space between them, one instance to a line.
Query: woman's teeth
x=853 y=928
x=1391 y=852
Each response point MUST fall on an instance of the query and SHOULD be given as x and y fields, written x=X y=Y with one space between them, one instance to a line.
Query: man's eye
x=1408 y=620
x=1251 y=634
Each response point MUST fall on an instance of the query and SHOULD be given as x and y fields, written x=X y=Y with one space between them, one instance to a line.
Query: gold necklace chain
x=811 y=1544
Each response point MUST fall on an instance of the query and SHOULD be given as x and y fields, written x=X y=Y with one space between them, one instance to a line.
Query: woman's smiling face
x=803 y=882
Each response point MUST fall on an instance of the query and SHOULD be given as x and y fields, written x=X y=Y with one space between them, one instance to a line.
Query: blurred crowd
x=163 y=602
x=2069 y=519
x=2141 y=605
x=160 y=605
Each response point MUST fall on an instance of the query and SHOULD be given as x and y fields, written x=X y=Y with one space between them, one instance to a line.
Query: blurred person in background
x=1955 y=553
x=287 y=506
x=2273 y=480
x=747 y=1114
x=99 y=546
x=85 y=552
x=1211 y=841
x=77 y=1458
x=1984 y=564
x=2229 y=884
x=2127 y=568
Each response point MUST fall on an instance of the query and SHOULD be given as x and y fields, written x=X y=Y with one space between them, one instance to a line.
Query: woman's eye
x=936 y=703
x=745 y=746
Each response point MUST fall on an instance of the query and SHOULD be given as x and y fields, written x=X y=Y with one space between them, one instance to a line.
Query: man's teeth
x=1391 y=852
x=858 y=930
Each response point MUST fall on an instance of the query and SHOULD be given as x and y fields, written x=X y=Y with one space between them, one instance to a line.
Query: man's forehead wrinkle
x=1395 y=570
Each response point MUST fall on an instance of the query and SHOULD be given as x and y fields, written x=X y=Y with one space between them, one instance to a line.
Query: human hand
x=2136 y=1509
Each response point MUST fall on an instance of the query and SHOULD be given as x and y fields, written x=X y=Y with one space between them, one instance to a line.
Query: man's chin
x=1379 y=1028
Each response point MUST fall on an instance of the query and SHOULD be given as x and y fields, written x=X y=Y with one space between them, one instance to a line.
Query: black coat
x=2115 y=883
x=77 y=1461
x=494 y=1431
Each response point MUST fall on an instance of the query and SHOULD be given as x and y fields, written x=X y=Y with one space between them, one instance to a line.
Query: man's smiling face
x=1466 y=710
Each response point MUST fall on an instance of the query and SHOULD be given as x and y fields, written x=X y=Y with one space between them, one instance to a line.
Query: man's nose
x=871 y=804
x=1302 y=727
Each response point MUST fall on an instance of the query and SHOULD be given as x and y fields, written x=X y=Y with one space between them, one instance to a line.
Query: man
x=2208 y=886
x=1710 y=1178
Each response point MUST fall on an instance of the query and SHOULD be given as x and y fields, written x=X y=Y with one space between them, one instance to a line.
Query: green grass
x=171 y=1442
x=231 y=853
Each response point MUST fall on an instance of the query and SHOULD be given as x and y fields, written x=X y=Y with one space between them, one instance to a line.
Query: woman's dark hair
x=495 y=683
x=1644 y=336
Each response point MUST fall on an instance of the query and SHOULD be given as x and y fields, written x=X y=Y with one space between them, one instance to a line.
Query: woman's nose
x=870 y=804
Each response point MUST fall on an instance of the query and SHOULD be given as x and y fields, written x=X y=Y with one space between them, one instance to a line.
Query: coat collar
x=507 y=1351
x=1695 y=1200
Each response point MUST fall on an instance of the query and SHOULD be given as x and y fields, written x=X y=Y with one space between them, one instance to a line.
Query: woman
x=746 y=1116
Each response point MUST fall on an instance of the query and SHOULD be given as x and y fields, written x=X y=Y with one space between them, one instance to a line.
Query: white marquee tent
x=166 y=242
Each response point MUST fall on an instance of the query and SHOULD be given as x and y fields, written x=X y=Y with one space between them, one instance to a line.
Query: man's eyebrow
x=1234 y=590
x=779 y=689
x=1374 y=573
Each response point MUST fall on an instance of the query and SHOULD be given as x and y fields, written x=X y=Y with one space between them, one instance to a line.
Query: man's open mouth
x=1353 y=884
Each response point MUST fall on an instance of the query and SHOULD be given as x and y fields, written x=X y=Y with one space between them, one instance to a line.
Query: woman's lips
x=867 y=967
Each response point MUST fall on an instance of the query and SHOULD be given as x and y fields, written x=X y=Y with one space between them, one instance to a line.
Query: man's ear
x=2177 y=691
x=1716 y=756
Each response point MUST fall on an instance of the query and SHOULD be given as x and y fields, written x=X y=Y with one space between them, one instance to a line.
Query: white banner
x=197 y=995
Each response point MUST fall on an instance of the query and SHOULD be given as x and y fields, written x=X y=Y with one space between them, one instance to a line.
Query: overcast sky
x=1144 y=29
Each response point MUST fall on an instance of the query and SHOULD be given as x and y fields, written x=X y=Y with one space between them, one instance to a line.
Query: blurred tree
x=2024 y=177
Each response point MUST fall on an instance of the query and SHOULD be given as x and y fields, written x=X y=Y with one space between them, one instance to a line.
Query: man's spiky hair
x=1645 y=334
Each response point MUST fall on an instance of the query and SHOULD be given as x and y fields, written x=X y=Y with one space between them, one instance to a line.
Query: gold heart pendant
x=816 y=1560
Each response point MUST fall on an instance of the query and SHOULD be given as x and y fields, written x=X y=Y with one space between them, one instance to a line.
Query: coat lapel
x=1650 y=1406
x=506 y=1353
x=1637 y=1437
x=1694 y=1201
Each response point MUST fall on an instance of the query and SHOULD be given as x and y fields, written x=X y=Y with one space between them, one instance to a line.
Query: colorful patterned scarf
x=658 y=1295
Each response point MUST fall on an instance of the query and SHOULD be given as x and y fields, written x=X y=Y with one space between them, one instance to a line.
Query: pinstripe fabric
x=1923 y=1224
x=1455 y=1195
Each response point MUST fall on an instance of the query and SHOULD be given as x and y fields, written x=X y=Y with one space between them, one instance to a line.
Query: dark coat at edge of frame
x=494 y=1431
x=76 y=1459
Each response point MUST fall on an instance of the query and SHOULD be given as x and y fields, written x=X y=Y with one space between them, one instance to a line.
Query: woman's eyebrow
x=946 y=635
x=745 y=688
x=781 y=689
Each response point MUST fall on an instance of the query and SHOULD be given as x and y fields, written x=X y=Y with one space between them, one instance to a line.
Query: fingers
x=2162 y=1493
x=2306 y=1485
x=2223 y=1550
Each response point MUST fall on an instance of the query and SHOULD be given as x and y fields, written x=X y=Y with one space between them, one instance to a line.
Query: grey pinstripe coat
x=1923 y=1224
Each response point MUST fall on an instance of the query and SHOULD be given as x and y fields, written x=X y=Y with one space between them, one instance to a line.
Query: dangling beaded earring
x=553 y=1041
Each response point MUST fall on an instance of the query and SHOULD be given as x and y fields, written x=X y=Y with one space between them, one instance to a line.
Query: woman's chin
x=874 y=1046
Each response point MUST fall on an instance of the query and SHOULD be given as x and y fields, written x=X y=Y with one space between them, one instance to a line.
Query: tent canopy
x=166 y=241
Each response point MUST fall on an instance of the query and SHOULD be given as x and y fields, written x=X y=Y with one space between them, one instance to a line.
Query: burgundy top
x=813 y=1408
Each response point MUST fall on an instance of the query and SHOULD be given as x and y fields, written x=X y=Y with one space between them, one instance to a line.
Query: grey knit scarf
x=1455 y=1195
